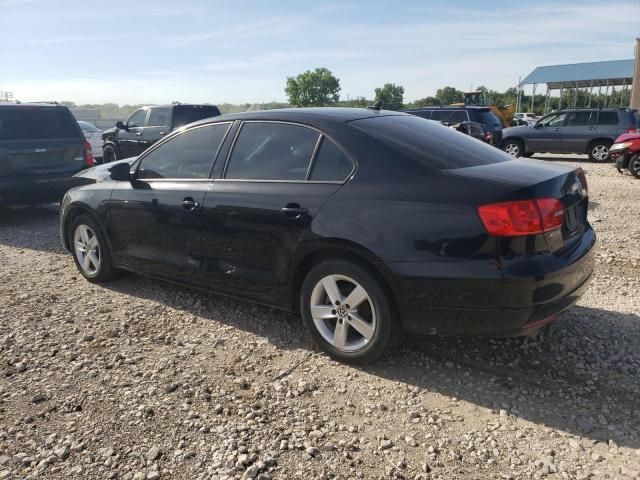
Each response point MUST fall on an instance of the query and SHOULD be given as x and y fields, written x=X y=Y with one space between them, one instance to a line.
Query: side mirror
x=537 y=125
x=121 y=125
x=120 y=172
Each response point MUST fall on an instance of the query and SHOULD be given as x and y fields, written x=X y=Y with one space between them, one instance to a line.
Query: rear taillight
x=88 y=156
x=521 y=217
x=583 y=181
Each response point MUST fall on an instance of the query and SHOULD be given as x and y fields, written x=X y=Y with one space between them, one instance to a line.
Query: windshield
x=88 y=127
x=488 y=118
x=430 y=143
x=184 y=114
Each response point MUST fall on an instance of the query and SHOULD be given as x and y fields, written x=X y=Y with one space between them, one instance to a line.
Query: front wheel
x=90 y=251
x=109 y=154
x=347 y=312
x=599 y=151
x=515 y=148
x=634 y=165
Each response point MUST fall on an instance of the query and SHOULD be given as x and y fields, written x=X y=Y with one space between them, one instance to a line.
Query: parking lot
x=141 y=379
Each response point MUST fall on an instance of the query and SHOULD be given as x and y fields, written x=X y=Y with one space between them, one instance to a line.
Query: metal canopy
x=596 y=74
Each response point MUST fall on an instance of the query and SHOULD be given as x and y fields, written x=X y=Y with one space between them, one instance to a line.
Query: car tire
x=109 y=154
x=599 y=151
x=514 y=148
x=90 y=251
x=634 y=165
x=358 y=333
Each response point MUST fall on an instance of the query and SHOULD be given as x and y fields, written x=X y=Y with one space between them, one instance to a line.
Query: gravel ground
x=139 y=379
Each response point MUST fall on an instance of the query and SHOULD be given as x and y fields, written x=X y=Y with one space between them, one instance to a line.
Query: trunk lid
x=539 y=179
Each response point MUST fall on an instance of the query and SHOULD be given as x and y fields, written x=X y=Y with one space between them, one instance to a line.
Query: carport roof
x=612 y=72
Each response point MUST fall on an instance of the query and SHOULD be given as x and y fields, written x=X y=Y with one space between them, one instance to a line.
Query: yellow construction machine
x=480 y=99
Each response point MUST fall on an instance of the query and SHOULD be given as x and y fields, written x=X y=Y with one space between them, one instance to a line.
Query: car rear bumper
x=489 y=298
x=32 y=189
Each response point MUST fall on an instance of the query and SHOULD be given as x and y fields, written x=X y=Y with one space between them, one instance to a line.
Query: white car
x=527 y=117
x=94 y=136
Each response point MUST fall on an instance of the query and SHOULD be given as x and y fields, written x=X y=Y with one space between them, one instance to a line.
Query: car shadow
x=34 y=227
x=576 y=377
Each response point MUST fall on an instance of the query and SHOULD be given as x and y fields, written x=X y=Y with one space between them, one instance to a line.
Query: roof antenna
x=376 y=106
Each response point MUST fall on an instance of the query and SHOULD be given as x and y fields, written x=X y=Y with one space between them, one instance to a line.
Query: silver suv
x=585 y=130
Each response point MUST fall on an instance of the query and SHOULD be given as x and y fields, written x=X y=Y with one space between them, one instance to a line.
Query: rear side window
x=431 y=144
x=578 y=119
x=330 y=164
x=184 y=114
x=159 y=117
x=187 y=155
x=450 y=117
x=272 y=151
x=608 y=118
x=30 y=123
x=422 y=113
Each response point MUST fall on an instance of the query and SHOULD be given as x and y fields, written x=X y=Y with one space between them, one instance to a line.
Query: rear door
x=39 y=141
x=155 y=221
x=608 y=125
x=130 y=140
x=577 y=131
x=277 y=178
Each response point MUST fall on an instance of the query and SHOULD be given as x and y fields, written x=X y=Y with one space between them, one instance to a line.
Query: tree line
x=321 y=88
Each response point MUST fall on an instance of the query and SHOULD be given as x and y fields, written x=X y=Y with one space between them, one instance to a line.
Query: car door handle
x=293 y=211
x=163 y=133
x=138 y=133
x=189 y=204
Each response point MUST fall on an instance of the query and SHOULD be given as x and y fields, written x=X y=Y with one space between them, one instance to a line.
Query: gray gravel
x=138 y=379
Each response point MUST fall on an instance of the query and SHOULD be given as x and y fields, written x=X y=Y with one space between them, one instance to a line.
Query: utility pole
x=634 y=99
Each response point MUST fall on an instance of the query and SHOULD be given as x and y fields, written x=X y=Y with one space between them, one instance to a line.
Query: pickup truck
x=147 y=125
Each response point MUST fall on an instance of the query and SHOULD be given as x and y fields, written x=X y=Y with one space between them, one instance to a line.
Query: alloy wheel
x=343 y=313
x=600 y=152
x=512 y=149
x=87 y=249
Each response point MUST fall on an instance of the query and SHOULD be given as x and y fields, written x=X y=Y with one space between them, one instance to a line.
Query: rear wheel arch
x=341 y=251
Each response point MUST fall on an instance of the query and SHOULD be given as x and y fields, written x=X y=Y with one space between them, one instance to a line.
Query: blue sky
x=140 y=51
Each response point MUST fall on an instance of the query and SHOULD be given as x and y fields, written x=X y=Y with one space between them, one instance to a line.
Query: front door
x=277 y=178
x=155 y=220
x=130 y=140
x=546 y=135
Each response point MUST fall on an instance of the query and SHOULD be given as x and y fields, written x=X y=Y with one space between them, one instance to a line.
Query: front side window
x=137 y=119
x=330 y=164
x=272 y=151
x=608 y=118
x=553 y=120
x=187 y=155
x=158 y=117
x=578 y=119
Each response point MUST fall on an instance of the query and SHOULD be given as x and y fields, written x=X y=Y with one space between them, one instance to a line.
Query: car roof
x=171 y=105
x=312 y=116
x=448 y=107
x=31 y=105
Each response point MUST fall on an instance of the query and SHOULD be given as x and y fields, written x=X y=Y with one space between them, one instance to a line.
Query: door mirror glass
x=120 y=125
x=120 y=172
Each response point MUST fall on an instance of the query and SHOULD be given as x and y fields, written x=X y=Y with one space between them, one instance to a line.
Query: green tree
x=391 y=96
x=313 y=88
x=449 y=95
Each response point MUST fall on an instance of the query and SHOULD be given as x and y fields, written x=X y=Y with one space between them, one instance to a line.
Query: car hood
x=516 y=130
x=101 y=172
x=627 y=136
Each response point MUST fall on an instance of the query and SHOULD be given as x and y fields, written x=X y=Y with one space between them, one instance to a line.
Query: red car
x=626 y=153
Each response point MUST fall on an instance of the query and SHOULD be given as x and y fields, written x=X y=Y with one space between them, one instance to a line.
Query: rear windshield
x=30 y=123
x=432 y=144
x=488 y=118
x=183 y=114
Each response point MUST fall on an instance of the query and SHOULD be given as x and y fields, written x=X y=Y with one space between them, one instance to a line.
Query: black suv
x=148 y=125
x=41 y=148
x=452 y=115
x=585 y=130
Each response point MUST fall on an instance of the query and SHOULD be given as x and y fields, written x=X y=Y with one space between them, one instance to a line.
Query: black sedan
x=368 y=223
